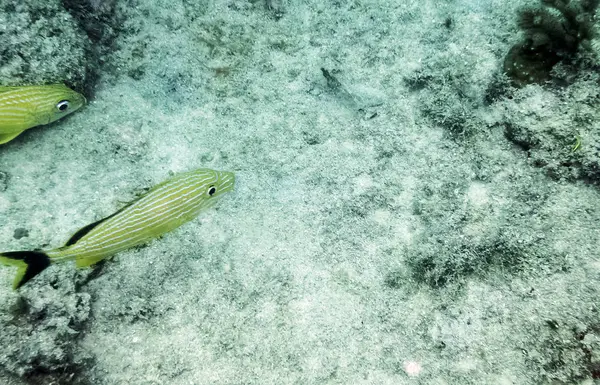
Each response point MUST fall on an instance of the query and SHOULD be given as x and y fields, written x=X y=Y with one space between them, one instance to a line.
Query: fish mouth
x=80 y=101
x=226 y=180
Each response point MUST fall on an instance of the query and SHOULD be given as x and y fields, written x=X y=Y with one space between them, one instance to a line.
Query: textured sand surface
x=383 y=230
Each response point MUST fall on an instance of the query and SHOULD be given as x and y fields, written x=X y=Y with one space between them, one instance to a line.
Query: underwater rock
x=567 y=148
x=20 y=232
x=40 y=334
x=41 y=43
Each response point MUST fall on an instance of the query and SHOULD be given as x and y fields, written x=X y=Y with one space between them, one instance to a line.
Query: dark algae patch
x=553 y=32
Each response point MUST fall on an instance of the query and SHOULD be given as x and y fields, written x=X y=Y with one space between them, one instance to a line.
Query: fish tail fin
x=29 y=264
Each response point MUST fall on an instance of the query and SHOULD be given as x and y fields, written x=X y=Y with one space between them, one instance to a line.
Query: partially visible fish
x=162 y=209
x=24 y=107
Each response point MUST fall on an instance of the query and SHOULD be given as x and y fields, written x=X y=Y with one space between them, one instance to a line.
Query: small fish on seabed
x=162 y=209
x=24 y=107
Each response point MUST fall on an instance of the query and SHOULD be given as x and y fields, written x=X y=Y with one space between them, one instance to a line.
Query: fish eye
x=63 y=105
x=212 y=190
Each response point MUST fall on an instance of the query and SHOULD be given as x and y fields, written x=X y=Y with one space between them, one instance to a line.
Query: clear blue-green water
x=403 y=212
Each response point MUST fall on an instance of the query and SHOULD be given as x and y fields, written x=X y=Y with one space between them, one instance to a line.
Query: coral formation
x=553 y=32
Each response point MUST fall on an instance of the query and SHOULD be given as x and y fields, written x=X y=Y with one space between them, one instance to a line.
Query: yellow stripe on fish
x=162 y=209
x=24 y=107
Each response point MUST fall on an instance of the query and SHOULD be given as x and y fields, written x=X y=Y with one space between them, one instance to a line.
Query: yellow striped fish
x=22 y=108
x=162 y=209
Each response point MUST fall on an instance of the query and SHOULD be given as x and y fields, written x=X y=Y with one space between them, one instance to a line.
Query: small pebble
x=21 y=233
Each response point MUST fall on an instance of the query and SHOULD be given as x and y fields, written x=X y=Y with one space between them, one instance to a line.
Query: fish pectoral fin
x=87 y=261
x=5 y=138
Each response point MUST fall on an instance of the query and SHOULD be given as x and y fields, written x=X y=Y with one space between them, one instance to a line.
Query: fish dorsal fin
x=8 y=88
x=83 y=231
x=86 y=229
x=12 y=88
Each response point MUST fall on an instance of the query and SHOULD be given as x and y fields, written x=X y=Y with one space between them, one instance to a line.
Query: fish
x=24 y=107
x=163 y=208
